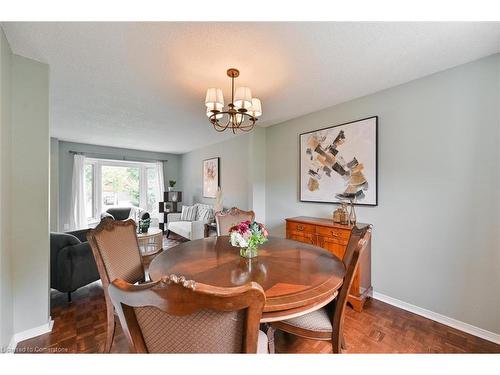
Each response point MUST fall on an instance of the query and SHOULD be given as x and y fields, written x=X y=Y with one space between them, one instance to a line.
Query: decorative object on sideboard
x=352 y=213
x=211 y=177
x=248 y=236
x=340 y=159
x=171 y=185
x=218 y=200
x=242 y=111
x=341 y=214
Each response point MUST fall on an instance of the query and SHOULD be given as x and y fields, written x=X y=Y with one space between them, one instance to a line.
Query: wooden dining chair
x=175 y=315
x=327 y=322
x=117 y=255
x=226 y=219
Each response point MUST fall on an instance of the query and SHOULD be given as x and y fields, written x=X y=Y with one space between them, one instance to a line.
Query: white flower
x=238 y=240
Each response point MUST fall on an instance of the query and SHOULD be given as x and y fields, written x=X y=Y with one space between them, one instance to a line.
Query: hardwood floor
x=79 y=327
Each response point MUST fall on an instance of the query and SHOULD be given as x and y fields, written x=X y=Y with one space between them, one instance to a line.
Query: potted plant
x=248 y=236
x=144 y=225
x=171 y=185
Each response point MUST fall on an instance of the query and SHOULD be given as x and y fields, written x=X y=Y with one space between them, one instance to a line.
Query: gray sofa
x=72 y=263
x=124 y=213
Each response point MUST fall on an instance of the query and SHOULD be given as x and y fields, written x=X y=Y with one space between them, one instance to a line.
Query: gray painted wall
x=170 y=168
x=242 y=172
x=233 y=169
x=436 y=238
x=6 y=301
x=30 y=193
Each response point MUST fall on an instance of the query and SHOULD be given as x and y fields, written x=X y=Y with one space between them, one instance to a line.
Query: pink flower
x=242 y=228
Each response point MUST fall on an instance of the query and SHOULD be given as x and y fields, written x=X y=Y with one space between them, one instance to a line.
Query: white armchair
x=191 y=230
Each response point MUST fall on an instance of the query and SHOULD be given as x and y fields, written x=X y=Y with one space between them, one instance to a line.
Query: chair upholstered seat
x=262 y=347
x=327 y=323
x=317 y=321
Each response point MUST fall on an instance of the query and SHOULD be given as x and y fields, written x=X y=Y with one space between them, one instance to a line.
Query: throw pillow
x=205 y=214
x=189 y=213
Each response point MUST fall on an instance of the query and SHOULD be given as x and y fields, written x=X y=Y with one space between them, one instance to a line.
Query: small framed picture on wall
x=211 y=177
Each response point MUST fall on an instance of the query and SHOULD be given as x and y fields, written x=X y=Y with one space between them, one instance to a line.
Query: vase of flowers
x=248 y=235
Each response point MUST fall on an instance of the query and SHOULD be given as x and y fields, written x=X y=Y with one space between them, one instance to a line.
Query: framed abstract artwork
x=211 y=177
x=340 y=160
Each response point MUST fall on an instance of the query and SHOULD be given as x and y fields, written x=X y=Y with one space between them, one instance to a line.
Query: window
x=90 y=204
x=110 y=183
x=153 y=195
x=120 y=186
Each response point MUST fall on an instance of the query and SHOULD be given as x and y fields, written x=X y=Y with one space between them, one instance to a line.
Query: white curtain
x=161 y=184
x=78 y=215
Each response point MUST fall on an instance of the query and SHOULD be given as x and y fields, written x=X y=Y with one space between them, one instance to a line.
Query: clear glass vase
x=249 y=252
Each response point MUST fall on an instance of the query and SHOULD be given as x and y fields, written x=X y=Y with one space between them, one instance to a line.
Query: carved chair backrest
x=175 y=315
x=116 y=252
x=225 y=220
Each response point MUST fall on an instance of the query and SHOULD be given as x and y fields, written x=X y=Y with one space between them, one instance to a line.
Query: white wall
x=436 y=237
x=6 y=302
x=30 y=193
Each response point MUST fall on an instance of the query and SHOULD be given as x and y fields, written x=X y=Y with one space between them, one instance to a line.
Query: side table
x=150 y=242
x=210 y=227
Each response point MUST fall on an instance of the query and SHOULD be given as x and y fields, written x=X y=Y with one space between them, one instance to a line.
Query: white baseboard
x=29 y=333
x=457 y=324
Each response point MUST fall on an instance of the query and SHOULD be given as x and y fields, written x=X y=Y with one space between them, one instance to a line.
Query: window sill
x=93 y=223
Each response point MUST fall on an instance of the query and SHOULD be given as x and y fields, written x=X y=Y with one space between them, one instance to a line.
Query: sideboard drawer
x=301 y=237
x=340 y=235
x=299 y=227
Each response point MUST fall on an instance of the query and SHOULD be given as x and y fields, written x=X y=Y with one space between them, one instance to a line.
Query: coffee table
x=150 y=242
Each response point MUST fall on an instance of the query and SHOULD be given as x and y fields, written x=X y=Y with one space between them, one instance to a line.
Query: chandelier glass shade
x=242 y=111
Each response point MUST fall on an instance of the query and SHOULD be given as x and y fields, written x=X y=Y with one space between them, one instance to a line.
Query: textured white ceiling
x=142 y=85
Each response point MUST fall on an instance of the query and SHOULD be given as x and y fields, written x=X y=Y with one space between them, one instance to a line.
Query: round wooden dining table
x=297 y=278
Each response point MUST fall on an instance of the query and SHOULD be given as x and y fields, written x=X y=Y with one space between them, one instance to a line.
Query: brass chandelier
x=242 y=111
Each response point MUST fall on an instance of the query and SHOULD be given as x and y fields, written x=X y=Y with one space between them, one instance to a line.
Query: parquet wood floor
x=79 y=327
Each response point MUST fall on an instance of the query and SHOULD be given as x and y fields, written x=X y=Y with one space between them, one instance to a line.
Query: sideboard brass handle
x=334 y=234
x=300 y=227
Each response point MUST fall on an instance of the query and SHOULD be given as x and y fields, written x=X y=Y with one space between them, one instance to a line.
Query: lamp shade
x=217 y=116
x=214 y=99
x=243 y=98
x=256 y=108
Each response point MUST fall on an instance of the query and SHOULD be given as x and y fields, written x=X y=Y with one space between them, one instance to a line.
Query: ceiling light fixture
x=242 y=111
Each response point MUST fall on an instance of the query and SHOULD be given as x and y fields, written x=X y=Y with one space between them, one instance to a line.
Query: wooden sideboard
x=334 y=238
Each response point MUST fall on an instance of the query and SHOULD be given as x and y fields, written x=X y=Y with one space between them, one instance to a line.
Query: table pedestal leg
x=270 y=339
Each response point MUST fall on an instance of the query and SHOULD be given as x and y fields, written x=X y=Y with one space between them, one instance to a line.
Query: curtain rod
x=113 y=157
